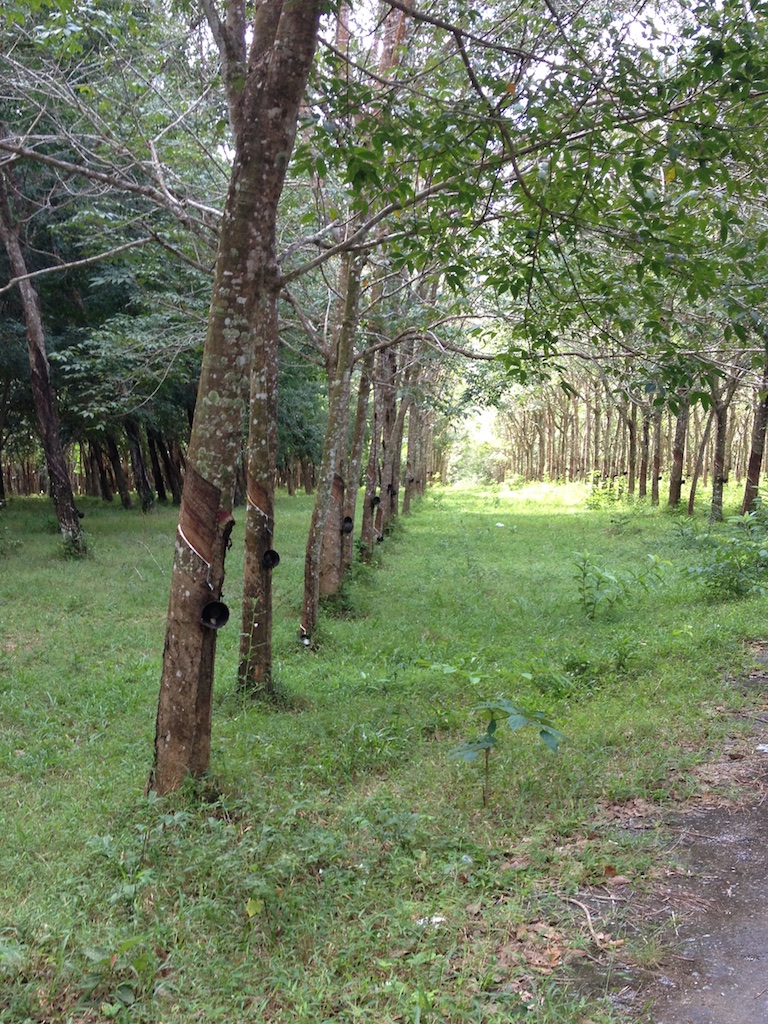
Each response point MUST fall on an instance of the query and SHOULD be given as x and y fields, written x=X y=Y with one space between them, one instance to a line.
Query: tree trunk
x=172 y=474
x=255 y=667
x=412 y=456
x=140 y=476
x=723 y=443
x=632 y=469
x=388 y=404
x=390 y=473
x=757 y=446
x=356 y=459
x=678 y=454
x=97 y=456
x=372 y=499
x=43 y=393
x=699 y=463
x=656 y=469
x=246 y=282
x=645 y=443
x=119 y=474
x=157 y=473
x=334 y=450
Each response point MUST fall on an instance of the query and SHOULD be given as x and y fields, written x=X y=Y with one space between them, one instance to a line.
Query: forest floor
x=708 y=910
x=341 y=863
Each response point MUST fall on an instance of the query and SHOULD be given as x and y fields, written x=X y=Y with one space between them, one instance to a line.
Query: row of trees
x=379 y=193
x=589 y=432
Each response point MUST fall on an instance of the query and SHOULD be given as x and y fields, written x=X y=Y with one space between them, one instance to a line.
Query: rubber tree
x=43 y=392
x=329 y=497
x=757 y=444
x=266 y=83
x=721 y=403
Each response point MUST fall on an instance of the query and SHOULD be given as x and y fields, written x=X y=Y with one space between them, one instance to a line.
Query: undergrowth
x=338 y=865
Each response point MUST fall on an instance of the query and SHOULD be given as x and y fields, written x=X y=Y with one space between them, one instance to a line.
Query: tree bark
x=386 y=382
x=333 y=452
x=245 y=287
x=645 y=442
x=140 y=476
x=678 y=454
x=699 y=463
x=43 y=393
x=757 y=445
x=356 y=457
x=97 y=456
x=371 y=500
x=656 y=470
x=172 y=474
x=157 y=473
x=121 y=481
x=718 y=462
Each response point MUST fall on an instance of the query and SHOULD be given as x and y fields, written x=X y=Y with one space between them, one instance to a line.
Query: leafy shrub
x=599 y=588
x=736 y=564
x=498 y=711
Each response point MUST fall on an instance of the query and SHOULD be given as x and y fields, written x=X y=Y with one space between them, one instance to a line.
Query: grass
x=338 y=865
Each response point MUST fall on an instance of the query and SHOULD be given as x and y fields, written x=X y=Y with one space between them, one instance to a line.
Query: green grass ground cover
x=339 y=864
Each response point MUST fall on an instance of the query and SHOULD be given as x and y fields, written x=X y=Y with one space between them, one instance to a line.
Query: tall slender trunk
x=386 y=380
x=656 y=471
x=157 y=473
x=372 y=499
x=97 y=457
x=645 y=441
x=412 y=456
x=699 y=463
x=632 y=457
x=255 y=666
x=356 y=458
x=172 y=474
x=140 y=475
x=118 y=472
x=678 y=454
x=43 y=393
x=333 y=450
x=757 y=445
x=718 y=462
x=265 y=109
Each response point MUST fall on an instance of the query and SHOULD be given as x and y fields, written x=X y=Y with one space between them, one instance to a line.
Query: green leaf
x=551 y=739
x=254 y=907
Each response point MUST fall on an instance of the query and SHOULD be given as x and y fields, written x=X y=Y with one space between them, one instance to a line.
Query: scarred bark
x=255 y=667
x=272 y=86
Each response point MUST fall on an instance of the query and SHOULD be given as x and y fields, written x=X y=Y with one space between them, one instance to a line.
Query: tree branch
x=73 y=264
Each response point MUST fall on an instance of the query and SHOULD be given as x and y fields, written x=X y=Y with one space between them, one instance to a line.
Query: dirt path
x=710 y=911
x=719 y=972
